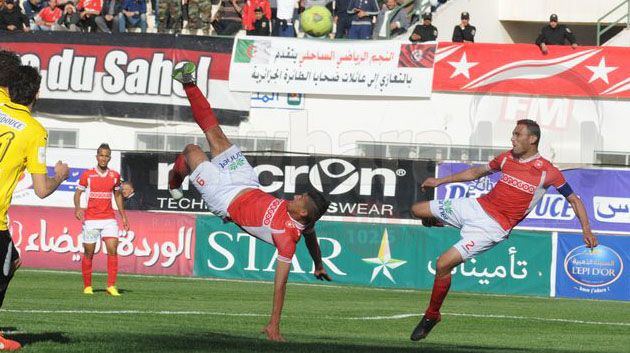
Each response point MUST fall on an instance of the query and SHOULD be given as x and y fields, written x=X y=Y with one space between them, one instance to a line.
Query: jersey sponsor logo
x=271 y=211
x=446 y=208
x=11 y=122
x=518 y=183
x=100 y=195
x=233 y=162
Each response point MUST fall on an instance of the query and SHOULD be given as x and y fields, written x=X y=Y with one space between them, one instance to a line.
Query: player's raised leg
x=442 y=283
x=201 y=110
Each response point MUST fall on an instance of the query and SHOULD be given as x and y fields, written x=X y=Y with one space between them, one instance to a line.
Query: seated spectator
x=464 y=32
x=261 y=25
x=69 y=20
x=47 y=17
x=89 y=10
x=223 y=26
x=108 y=20
x=362 y=12
x=397 y=25
x=133 y=14
x=12 y=19
x=249 y=16
x=31 y=9
x=287 y=12
x=424 y=32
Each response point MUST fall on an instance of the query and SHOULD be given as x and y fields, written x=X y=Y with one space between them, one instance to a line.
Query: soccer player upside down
x=231 y=190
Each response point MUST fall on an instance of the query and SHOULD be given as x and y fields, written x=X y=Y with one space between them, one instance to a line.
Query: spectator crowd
x=354 y=19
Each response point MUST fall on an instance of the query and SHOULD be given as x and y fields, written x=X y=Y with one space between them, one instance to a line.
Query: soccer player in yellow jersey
x=22 y=146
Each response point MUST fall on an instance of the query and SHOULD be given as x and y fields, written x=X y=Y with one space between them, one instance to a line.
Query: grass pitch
x=47 y=312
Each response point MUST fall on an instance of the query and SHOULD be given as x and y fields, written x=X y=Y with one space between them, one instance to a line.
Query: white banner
x=78 y=161
x=366 y=68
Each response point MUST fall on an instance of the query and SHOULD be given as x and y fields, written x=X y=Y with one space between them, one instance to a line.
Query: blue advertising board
x=599 y=273
x=604 y=192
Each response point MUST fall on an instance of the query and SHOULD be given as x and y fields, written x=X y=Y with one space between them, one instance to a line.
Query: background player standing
x=488 y=220
x=99 y=220
x=230 y=187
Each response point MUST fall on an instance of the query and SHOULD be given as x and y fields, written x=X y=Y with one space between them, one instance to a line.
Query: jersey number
x=5 y=142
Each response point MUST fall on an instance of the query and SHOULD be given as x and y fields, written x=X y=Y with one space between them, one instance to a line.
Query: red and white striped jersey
x=266 y=218
x=100 y=188
x=521 y=186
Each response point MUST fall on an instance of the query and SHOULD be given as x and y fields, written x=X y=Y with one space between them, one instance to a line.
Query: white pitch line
x=361 y=318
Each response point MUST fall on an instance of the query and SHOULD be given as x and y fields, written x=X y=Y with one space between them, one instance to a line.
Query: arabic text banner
x=523 y=69
x=358 y=187
x=597 y=274
x=365 y=68
x=382 y=255
x=604 y=192
x=156 y=243
x=127 y=76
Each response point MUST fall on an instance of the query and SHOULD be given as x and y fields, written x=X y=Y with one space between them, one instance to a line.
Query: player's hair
x=24 y=85
x=532 y=128
x=9 y=62
x=103 y=146
x=316 y=206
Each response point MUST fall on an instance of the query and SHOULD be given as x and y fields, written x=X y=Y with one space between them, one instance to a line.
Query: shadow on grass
x=30 y=338
x=217 y=342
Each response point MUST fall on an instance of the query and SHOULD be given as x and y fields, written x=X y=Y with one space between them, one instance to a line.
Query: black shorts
x=8 y=255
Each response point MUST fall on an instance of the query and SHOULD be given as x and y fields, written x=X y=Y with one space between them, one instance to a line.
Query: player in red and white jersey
x=99 y=220
x=230 y=187
x=486 y=221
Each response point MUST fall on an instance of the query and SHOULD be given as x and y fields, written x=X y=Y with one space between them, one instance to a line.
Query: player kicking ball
x=231 y=190
x=488 y=220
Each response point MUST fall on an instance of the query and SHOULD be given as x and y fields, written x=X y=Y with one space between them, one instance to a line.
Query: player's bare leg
x=203 y=115
x=422 y=210
x=86 y=267
x=441 y=284
x=111 y=244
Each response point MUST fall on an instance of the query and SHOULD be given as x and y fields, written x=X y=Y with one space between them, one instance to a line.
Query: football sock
x=201 y=110
x=180 y=171
x=112 y=269
x=441 y=286
x=86 y=269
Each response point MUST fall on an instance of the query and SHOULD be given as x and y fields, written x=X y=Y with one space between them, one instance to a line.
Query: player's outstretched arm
x=121 y=209
x=589 y=238
x=310 y=238
x=44 y=185
x=466 y=175
x=272 y=330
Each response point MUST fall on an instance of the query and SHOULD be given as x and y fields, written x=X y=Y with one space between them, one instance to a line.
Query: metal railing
x=625 y=17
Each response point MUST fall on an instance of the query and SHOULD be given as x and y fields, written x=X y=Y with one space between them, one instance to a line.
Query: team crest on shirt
x=289 y=224
x=538 y=164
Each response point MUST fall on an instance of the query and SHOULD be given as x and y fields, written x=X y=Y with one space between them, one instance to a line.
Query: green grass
x=212 y=318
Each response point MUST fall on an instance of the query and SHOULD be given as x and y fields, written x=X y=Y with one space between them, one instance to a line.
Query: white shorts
x=479 y=231
x=221 y=179
x=94 y=230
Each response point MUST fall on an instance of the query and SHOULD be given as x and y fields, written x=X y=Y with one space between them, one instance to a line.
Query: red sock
x=180 y=170
x=201 y=111
x=86 y=269
x=112 y=269
x=441 y=286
